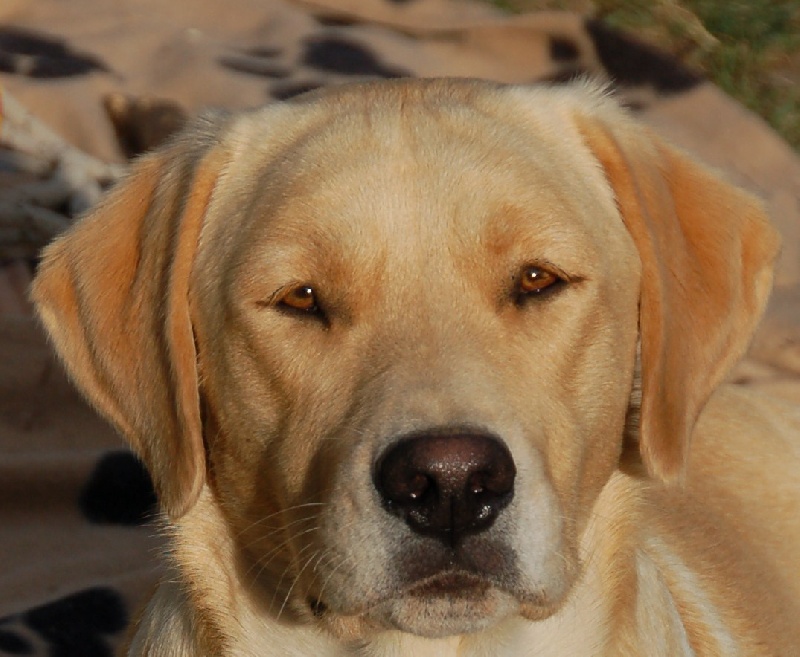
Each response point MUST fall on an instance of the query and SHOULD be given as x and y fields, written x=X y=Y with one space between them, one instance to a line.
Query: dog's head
x=393 y=329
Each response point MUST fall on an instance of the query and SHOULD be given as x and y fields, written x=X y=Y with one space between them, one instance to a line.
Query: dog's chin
x=446 y=605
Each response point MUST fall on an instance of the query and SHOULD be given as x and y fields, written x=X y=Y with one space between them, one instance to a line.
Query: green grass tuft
x=750 y=48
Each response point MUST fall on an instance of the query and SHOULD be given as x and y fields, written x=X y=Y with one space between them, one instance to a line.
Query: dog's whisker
x=265 y=559
x=343 y=559
x=290 y=509
x=296 y=580
x=325 y=553
x=280 y=529
x=345 y=527
x=264 y=547
x=322 y=554
x=286 y=570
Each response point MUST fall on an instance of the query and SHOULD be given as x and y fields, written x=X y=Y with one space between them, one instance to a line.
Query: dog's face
x=397 y=327
x=417 y=355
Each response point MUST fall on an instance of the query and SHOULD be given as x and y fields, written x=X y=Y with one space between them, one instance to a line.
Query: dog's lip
x=450 y=583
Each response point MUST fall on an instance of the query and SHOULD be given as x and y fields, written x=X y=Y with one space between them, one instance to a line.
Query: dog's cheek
x=582 y=416
x=541 y=534
x=351 y=523
x=241 y=425
x=279 y=448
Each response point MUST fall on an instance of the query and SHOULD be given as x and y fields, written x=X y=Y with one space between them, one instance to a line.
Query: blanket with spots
x=78 y=541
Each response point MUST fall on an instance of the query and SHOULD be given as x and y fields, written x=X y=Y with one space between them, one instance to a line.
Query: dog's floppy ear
x=707 y=250
x=113 y=295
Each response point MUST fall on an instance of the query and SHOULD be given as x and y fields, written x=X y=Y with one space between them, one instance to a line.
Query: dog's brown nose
x=446 y=486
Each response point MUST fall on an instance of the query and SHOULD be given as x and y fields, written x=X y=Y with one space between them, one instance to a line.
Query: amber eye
x=534 y=280
x=301 y=298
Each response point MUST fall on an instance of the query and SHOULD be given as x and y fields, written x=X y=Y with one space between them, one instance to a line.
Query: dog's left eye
x=534 y=280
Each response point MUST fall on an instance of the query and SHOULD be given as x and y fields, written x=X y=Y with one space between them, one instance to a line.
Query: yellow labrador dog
x=434 y=368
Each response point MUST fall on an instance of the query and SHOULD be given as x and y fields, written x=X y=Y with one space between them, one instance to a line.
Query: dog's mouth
x=447 y=603
x=451 y=585
x=442 y=597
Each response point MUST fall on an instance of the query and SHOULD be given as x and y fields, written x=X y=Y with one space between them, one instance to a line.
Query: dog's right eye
x=299 y=298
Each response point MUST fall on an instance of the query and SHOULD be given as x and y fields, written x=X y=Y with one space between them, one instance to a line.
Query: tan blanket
x=77 y=553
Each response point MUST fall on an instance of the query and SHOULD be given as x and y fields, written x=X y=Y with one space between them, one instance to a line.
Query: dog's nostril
x=418 y=487
x=444 y=485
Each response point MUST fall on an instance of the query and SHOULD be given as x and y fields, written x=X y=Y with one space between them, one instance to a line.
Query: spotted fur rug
x=78 y=543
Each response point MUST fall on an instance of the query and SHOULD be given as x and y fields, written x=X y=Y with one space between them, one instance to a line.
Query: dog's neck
x=613 y=597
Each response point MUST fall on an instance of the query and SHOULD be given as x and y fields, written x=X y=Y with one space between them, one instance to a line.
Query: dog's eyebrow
x=273 y=296
x=270 y=300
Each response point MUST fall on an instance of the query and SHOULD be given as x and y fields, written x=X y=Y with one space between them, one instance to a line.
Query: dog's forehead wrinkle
x=411 y=201
x=415 y=212
x=425 y=236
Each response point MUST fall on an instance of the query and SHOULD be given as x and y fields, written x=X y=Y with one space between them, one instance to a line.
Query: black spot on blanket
x=290 y=90
x=337 y=55
x=255 y=61
x=119 y=492
x=74 y=626
x=143 y=123
x=38 y=55
x=562 y=49
x=13 y=644
x=630 y=62
x=335 y=20
x=565 y=76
